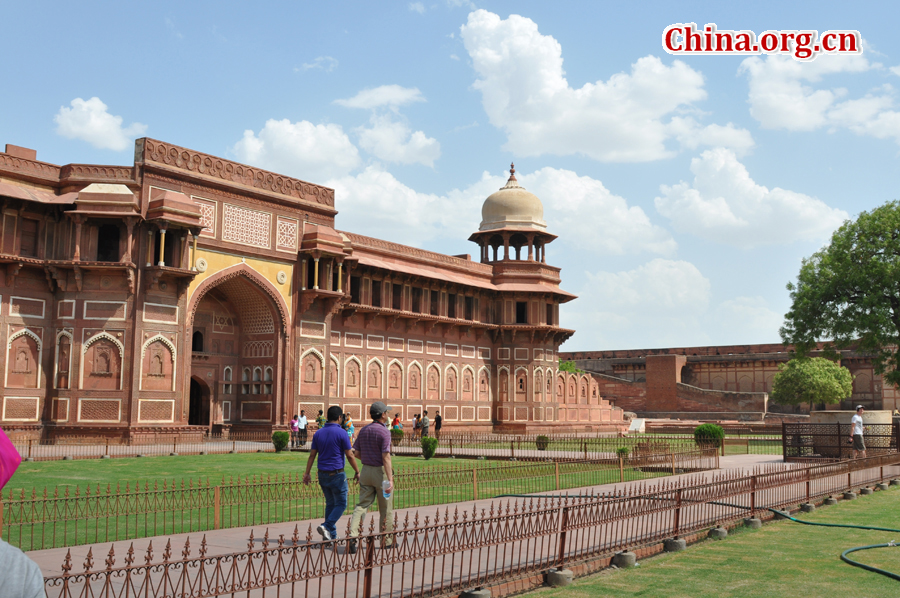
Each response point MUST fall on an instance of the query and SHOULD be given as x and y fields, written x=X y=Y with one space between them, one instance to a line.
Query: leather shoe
x=351 y=546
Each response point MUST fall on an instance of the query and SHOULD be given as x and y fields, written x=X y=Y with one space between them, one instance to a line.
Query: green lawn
x=781 y=559
x=39 y=524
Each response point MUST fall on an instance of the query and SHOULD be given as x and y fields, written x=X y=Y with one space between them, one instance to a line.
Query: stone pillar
x=78 y=222
x=162 y=247
x=340 y=276
x=663 y=373
x=194 y=251
x=316 y=275
x=149 y=248
x=505 y=247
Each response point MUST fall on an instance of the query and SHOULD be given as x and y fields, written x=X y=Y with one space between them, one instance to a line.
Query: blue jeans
x=334 y=487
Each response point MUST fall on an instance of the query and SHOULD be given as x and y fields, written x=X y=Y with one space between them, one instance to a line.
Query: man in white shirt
x=303 y=425
x=856 y=433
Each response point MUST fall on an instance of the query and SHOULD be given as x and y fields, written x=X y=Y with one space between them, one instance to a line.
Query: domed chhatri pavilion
x=190 y=294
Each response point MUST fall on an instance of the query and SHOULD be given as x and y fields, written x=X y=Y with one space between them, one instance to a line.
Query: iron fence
x=454 y=551
x=51 y=519
x=150 y=446
x=813 y=442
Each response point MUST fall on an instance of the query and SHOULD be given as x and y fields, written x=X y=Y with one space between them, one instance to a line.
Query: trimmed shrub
x=280 y=440
x=622 y=451
x=709 y=434
x=542 y=442
x=429 y=446
x=396 y=436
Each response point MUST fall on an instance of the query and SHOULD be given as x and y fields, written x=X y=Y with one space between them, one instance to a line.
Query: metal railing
x=456 y=551
x=816 y=442
x=157 y=445
x=52 y=519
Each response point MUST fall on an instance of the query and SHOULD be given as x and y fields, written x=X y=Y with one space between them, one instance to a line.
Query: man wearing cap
x=373 y=448
x=856 y=433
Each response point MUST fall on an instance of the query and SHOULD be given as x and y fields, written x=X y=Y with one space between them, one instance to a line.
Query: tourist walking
x=295 y=430
x=348 y=425
x=303 y=424
x=373 y=447
x=438 y=420
x=856 y=433
x=424 y=424
x=320 y=420
x=417 y=431
x=330 y=444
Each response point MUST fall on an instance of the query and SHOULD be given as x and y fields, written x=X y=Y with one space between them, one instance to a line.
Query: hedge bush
x=396 y=436
x=429 y=446
x=542 y=442
x=709 y=434
x=622 y=451
x=280 y=440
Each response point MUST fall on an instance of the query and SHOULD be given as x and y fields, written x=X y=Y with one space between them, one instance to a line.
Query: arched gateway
x=242 y=320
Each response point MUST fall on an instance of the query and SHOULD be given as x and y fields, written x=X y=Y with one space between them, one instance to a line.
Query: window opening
x=521 y=312
x=108 y=243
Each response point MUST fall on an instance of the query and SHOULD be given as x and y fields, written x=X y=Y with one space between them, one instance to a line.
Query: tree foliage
x=706 y=434
x=569 y=366
x=811 y=380
x=848 y=293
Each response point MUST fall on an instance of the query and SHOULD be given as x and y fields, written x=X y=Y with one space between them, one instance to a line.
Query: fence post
x=367 y=574
x=838 y=442
x=723 y=447
x=621 y=469
x=451 y=446
x=752 y=496
x=1 y=515
x=808 y=479
x=107 y=447
x=217 y=506
x=475 y=482
x=673 y=462
x=29 y=448
x=557 y=475
x=512 y=449
x=584 y=446
x=677 y=512
x=564 y=523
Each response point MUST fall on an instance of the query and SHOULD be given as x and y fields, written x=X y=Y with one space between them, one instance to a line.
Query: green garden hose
x=844 y=554
x=783 y=514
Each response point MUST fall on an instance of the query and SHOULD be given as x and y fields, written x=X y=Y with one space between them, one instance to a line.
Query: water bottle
x=384 y=489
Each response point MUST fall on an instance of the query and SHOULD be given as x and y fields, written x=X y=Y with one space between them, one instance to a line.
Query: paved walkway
x=237 y=539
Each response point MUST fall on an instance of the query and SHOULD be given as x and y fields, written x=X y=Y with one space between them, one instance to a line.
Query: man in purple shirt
x=331 y=443
x=373 y=447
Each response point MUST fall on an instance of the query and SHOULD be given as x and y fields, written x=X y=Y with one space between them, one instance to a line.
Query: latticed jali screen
x=832 y=441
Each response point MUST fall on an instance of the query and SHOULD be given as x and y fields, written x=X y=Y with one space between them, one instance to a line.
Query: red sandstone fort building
x=187 y=293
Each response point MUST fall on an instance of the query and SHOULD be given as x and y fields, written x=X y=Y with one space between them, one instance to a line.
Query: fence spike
x=203 y=547
x=167 y=553
x=89 y=561
x=148 y=557
x=280 y=540
x=250 y=543
x=295 y=537
x=67 y=562
x=309 y=534
x=186 y=552
x=110 y=558
x=265 y=543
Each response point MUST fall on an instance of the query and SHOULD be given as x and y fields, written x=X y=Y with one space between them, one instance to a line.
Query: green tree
x=848 y=293
x=811 y=380
x=569 y=366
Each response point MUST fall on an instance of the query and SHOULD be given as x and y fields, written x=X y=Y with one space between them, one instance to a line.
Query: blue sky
x=685 y=191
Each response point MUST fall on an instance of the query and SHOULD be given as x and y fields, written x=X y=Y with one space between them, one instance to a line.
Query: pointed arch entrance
x=242 y=321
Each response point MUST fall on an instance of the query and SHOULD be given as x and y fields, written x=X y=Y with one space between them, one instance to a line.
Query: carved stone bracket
x=306 y=301
x=369 y=318
x=12 y=270
x=78 y=277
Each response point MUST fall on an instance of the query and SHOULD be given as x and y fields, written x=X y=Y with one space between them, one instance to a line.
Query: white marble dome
x=512 y=207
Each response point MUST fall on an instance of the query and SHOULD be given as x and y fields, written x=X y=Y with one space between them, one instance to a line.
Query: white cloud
x=324 y=63
x=525 y=93
x=393 y=141
x=662 y=301
x=781 y=96
x=417 y=7
x=589 y=220
x=585 y=214
x=725 y=205
x=389 y=96
x=691 y=135
x=89 y=120
x=302 y=149
x=747 y=320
